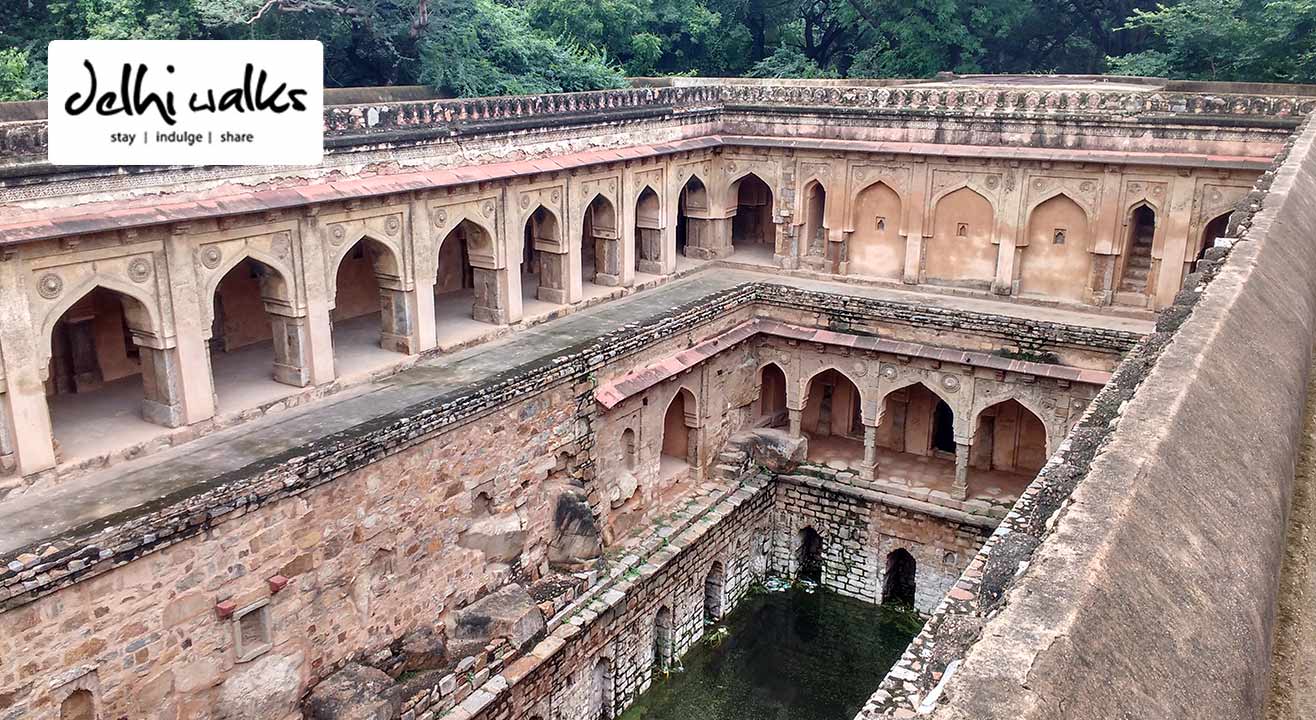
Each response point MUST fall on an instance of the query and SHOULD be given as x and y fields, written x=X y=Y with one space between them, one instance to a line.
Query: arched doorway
x=876 y=247
x=1010 y=438
x=79 y=705
x=1136 y=263
x=662 y=639
x=371 y=316
x=1217 y=228
x=752 y=229
x=714 y=586
x=648 y=233
x=629 y=450
x=899 y=583
x=465 y=283
x=600 y=252
x=680 y=444
x=258 y=347
x=832 y=420
x=106 y=386
x=916 y=421
x=960 y=250
x=813 y=238
x=1056 y=262
x=691 y=219
x=772 y=396
x=542 y=272
x=809 y=556
x=601 y=691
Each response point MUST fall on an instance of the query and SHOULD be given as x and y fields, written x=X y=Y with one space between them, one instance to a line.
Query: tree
x=1271 y=41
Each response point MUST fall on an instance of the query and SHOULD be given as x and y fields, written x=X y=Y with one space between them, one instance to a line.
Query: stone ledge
x=41 y=568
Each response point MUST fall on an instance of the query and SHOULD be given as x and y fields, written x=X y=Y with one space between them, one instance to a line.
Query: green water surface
x=790 y=655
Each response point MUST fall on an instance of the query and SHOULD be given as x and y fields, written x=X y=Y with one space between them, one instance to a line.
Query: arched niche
x=960 y=251
x=1056 y=263
x=876 y=247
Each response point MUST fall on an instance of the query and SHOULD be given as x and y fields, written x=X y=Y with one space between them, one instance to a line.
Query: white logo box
x=231 y=102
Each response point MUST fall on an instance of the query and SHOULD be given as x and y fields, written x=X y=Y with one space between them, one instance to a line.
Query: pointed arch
x=284 y=291
x=961 y=249
x=1054 y=432
x=919 y=418
x=140 y=312
x=772 y=400
x=600 y=249
x=1142 y=226
x=542 y=265
x=385 y=261
x=813 y=238
x=832 y=417
x=1216 y=227
x=680 y=441
x=1010 y=436
x=254 y=335
x=876 y=245
x=752 y=227
x=1055 y=262
x=648 y=231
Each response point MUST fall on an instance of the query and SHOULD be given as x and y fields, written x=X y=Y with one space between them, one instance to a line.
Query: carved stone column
x=868 y=468
x=292 y=348
x=796 y=420
x=492 y=295
x=960 y=489
x=162 y=401
x=397 y=326
x=553 y=277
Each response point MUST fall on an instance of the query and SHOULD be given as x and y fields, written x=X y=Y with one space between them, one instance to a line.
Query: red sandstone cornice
x=610 y=394
x=21 y=226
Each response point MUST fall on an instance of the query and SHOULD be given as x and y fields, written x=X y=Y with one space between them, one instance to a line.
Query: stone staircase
x=1137 y=265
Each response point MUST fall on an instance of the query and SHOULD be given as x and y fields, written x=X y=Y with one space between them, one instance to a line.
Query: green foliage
x=480 y=47
x=787 y=62
x=15 y=76
x=1271 y=41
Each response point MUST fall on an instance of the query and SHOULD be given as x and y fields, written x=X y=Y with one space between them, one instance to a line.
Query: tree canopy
x=487 y=47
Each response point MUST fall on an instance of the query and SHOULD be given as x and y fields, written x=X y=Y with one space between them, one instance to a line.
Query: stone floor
x=919 y=476
x=63 y=506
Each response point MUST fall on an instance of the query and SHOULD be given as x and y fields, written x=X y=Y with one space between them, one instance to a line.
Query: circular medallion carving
x=525 y=202
x=993 y=181
x=950 y=382
x=860 y=368
x=488 y=208
x=889 y=371
x=392 y=224
x=336 y=234
x=440 y=218
x=211 y=256
x=139 y=270
x=50 y=285
x=556 y=196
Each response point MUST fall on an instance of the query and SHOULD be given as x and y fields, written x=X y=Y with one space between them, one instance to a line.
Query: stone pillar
x=420 y=227
x=319 y=288
x=515 y=304
x=916 y=221
x=1008 y=230
x=1175 y=241
x=608 y=254
x=397 y=313
x=960 y=489
x=8 y=457
x=796 y=420
x=554 y=277
x=162 y=395
x=650 y=245
x=708 y=239
x=292 y=347
x=25 y=393
x=188 y=367
x=85 y=370
x=492 y=291
x=787 y=243
x=868 y=469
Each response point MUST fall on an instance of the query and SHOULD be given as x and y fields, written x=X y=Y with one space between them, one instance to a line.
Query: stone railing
x=25 y=142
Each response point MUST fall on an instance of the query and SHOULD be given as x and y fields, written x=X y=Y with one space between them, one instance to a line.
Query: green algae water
x=791 y=655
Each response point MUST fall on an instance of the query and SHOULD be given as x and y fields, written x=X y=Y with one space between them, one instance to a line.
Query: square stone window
x=252 y=631
x=1059 y=237
x=880 y=223
x=962 y=230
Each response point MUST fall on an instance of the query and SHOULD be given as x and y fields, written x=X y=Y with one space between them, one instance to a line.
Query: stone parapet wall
x=1144 y=595
x=34 y=571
